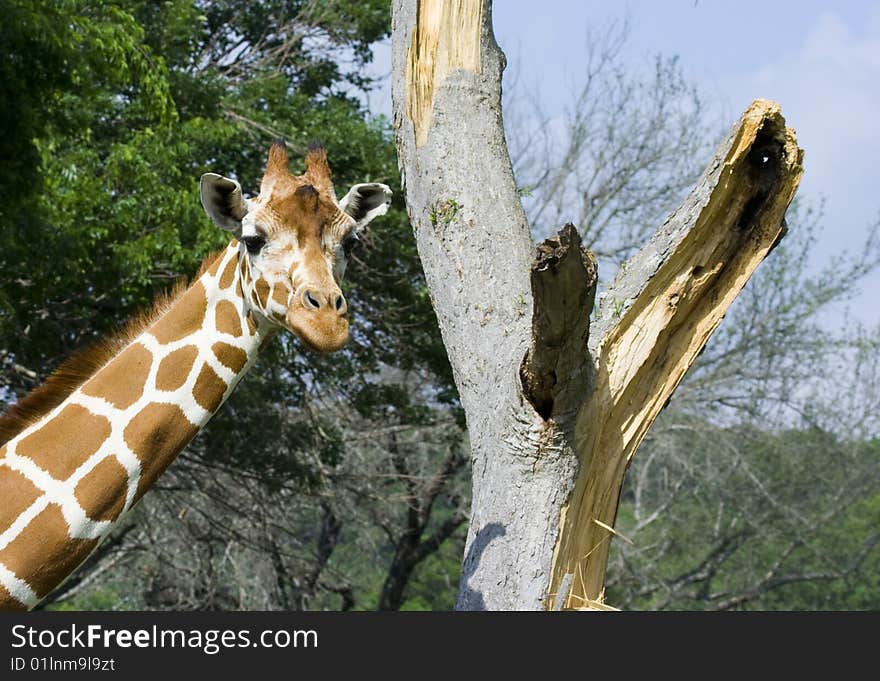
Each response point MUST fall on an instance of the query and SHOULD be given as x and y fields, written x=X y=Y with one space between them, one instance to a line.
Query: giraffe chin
x=320 y=337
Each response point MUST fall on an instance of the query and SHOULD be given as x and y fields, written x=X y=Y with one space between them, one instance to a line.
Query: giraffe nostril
x=310 y=300
x=340 y=303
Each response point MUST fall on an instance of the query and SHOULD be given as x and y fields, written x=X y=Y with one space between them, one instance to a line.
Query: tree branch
x=661 y=309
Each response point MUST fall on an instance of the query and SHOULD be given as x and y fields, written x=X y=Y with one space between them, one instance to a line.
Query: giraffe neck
x=66 y=479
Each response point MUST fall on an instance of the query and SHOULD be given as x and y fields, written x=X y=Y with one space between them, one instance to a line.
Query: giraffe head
x=295 y=237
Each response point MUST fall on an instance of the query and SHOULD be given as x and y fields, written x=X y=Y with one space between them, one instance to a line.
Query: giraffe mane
x=84 y=363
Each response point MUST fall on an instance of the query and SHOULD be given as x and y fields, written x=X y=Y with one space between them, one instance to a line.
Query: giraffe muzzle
x=319 y=317
x=313 y=299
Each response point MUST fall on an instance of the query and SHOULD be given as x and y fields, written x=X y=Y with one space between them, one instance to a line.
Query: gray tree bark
x=554 y=410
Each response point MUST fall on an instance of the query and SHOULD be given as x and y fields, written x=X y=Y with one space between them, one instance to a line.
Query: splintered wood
x=658 y=315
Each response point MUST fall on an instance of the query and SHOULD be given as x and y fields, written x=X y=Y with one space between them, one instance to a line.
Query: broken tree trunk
x=556 y=408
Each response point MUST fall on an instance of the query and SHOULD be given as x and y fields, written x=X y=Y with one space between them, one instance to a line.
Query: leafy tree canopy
x=115 y=111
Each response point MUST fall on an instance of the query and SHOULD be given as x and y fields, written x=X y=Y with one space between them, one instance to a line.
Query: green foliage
x=443 y=213
x=751 y=520
x=79 y=77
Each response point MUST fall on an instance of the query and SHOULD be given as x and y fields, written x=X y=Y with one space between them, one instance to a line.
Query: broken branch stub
x=563 y=279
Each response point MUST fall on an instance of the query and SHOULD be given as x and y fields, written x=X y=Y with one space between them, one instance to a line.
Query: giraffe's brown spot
x=278 y=316
x=254 y=299
x=262 y=289
x=281 y=294
x=8 y=603
x=121 y=382
x=228 y=273
x=43 y=552
x=238 y=290
x=156 y=435
x=245 y=270
x=251 y=323
x=227 y=319
x=230 y=356
x=66 y=441
x=17 y=493
x=209 y=388
x=102 y=492
x=184 y=318
x=175 y=368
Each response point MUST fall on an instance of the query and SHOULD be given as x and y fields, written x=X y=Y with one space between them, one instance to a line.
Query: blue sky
x=819 y=60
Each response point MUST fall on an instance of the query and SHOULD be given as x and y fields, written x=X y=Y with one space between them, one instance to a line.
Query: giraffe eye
x=350 y=243
x=253 y=243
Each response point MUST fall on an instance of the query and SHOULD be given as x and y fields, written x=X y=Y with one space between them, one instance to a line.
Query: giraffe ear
x=223 y=202
x=365 y=202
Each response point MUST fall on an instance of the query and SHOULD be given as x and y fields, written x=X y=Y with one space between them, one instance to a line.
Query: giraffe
x=82 y=449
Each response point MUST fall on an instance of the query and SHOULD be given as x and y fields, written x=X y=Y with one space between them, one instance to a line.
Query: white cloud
x=829 y=88
x=829 y=93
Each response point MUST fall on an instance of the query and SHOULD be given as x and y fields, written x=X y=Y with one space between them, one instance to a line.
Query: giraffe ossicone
x=84 y=448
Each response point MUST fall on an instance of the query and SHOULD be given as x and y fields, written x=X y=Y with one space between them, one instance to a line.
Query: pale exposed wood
x=660 y=312
x=446 y=37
